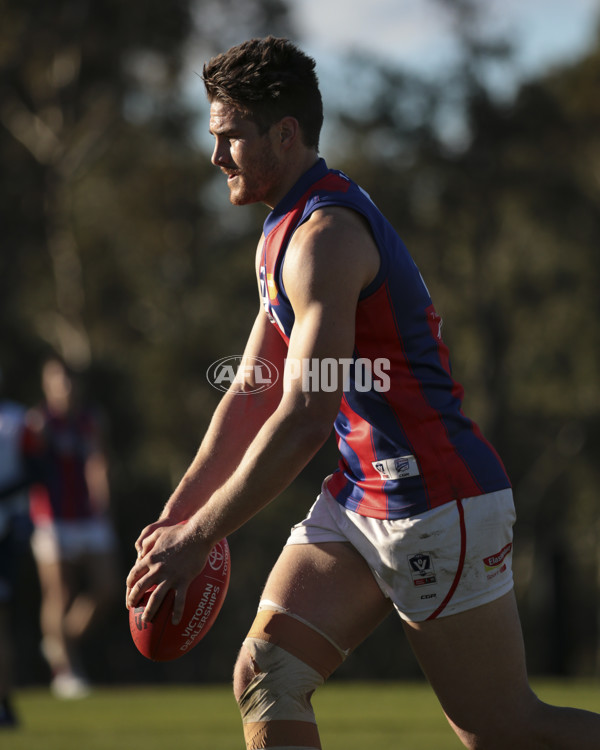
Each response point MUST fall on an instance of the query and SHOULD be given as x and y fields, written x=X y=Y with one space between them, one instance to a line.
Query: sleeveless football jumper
x=406 y=448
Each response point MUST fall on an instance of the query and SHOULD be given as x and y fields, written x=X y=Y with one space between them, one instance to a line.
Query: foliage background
x=120 y=251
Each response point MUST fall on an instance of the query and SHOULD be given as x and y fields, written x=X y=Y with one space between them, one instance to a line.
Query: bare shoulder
x=258 y=254
x=337 y=239
x=334 y=222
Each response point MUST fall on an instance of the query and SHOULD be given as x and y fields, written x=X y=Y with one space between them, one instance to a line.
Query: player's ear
x=289 y=131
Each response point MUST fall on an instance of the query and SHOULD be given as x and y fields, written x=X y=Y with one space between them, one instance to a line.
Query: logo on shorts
x=495 y=564
x=421 y=569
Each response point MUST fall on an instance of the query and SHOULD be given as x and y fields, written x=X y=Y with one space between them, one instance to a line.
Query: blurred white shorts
x=445 y=561
x=72 y=540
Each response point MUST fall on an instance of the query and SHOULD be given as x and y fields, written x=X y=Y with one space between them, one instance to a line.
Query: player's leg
x=52 y=608
x=90 y=605
x=321 y=601
x=57 y=647
x=57 y=573
x=47 y=554
x=475 y=662
x=92 y=547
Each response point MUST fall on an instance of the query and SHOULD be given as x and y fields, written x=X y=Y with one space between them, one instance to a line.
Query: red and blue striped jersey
x=65 y=443
x=407 y=448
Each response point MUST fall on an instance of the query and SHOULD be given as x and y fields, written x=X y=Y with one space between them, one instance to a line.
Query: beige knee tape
x=293 y=659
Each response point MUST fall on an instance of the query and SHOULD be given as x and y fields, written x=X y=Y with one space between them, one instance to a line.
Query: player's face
x=57 y=386
x=250 y=160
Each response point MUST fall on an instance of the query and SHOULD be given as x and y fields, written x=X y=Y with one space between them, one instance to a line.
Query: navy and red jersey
x=64 y=444
x=406 y=448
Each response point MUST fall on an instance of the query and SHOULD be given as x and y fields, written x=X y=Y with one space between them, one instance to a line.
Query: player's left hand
x=169 y=557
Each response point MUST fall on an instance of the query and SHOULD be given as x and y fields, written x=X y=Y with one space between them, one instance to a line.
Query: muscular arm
x=234 y=425
x=332 y=257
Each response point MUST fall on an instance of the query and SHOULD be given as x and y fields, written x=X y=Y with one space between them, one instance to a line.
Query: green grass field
x=352 y=716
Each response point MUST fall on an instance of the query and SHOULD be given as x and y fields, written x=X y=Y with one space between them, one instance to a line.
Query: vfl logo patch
x=271 y=288
x=421 y=569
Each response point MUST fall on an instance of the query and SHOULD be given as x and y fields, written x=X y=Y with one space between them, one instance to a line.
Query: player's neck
x=294 y=171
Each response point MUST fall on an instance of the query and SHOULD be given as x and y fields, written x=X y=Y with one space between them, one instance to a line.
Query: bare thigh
x=53 y=580
x=475 y=662
x=330 y=586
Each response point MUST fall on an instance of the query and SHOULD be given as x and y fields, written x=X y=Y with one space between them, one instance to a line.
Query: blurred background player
x=14 y=535
x=73 y=541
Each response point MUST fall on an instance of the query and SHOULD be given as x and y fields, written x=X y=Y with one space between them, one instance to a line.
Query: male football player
x=418 y=514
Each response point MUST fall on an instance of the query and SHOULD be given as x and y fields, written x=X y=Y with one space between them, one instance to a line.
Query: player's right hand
x=143 y=543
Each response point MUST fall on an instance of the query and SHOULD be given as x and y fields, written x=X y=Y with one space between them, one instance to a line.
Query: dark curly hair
x=268 y=79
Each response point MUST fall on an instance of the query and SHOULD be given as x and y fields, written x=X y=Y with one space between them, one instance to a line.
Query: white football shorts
x=72 y=540
x=442 y=562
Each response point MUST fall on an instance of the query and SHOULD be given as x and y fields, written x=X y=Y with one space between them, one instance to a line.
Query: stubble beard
x=255 y=183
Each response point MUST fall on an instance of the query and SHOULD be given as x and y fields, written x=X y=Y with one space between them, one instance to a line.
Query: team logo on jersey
x=268 y=288
x=271 y=287
x=268 y=295
x=402 y=466
x=421 y=569
x=397 y=468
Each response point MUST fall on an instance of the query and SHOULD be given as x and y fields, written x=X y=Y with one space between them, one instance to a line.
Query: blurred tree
x=106 y=232
x=114 y=252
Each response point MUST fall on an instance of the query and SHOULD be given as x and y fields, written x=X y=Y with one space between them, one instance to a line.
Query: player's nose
x=220 y=154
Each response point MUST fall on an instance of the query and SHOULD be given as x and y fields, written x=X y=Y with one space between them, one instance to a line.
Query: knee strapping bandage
x=293 y=659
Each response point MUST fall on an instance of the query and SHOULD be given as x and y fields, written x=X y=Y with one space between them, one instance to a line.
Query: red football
x=160 y=640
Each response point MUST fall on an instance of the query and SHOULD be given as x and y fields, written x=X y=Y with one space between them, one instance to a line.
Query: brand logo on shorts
x=495 y=560
x=421 y=569
x=495 y=564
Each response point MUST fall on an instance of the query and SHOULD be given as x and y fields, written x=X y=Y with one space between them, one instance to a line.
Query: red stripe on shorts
x=461 y=562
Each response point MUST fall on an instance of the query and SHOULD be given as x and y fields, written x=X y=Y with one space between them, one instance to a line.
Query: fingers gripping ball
x=160 y=640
